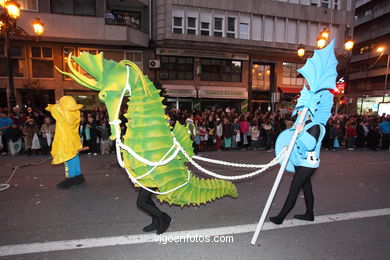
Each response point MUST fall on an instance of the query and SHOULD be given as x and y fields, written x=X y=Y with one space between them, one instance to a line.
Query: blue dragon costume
x=320 y=73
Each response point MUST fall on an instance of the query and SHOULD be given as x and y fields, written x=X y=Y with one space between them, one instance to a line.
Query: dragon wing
x=322 y=112
x=320 y=70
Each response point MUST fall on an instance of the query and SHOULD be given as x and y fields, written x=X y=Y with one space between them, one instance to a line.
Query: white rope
x=6 y=185
x=240 y=165
x=120 y=145
x=237 y=177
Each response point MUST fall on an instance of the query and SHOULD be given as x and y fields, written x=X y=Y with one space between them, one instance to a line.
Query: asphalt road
x=102 y=214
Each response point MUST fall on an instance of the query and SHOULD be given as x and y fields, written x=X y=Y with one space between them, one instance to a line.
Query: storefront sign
x=206 y=91
x=199 y=53
x=180 y=90
x=223 y=94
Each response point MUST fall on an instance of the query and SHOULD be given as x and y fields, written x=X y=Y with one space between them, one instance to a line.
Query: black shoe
x=164 y=221
x=276 y=220
x=153 y=226
x=307 y=217
x=71 y=182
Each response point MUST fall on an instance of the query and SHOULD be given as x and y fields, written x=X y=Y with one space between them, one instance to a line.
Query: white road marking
x=148 y=238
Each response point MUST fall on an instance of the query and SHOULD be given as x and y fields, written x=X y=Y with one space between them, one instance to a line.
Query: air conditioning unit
x=164 y=75
x=154 y=64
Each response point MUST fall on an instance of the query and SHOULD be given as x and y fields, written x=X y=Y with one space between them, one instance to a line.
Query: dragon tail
x=198 y=191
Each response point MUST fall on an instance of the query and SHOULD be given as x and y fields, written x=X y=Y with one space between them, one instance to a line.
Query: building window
x=178 y=25
x=18 y=61
x=221 y=70
x=314 y=2
x=42 y=62
x=205 y=28
x=244 y=31
x=290 y=75
x=336 y=4
x=261 y=75
x=76 y=7
x=30 y=5
x=136 y=57
x=191 y=25
x=218 y=26
x=325 y=3
x=177 y=68
x=231 y=30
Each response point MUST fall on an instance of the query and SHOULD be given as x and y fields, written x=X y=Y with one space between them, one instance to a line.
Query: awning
x=290 y=90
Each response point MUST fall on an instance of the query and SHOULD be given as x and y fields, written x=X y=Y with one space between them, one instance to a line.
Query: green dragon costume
x=148 y=133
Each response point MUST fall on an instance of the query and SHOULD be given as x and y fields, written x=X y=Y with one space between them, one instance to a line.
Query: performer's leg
x=72 y=173
x=300 y=178
x=161 y=219
x=143 y=202
x=309 y=202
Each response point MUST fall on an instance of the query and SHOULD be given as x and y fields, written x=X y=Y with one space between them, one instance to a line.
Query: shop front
x=370 y=104
x=89 y=99
x=191 y=97
x=288 y=98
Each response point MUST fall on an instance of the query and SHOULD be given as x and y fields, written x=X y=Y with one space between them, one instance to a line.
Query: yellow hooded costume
x=66 y=138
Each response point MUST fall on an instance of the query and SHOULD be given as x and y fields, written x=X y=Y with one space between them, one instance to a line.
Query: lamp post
x=9 y=29
x=382 y=50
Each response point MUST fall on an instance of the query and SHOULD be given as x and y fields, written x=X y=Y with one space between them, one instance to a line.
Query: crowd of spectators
x=31 y=131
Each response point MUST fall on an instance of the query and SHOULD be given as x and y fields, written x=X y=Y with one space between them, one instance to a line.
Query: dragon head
x=108 y=77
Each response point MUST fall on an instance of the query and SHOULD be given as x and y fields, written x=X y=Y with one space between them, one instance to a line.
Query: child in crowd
x=91 y=135
x=47 y=135
x=227 y=133
x=218 y=135
x=105 y=142
x=30 y=129
x=15 y=139
x=255 y=136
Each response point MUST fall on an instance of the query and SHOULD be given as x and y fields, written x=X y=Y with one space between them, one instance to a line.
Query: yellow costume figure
x=67 y=142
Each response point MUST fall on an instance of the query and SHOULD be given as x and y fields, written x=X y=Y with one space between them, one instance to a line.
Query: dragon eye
x=102 y=95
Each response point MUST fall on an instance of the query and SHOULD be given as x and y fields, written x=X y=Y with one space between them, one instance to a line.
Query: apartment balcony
x=368 y=74
x=365 y=56
x=372 y=34
x=85 y=29
x=361 y=2
x=382 y=11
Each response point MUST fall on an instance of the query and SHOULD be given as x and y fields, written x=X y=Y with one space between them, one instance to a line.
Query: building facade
x=240 y=53
x=119 y=29
x=203 y=53
x=369 y=66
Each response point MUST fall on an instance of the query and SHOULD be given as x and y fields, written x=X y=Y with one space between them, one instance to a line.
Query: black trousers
x=301 y=180
x=145 y=202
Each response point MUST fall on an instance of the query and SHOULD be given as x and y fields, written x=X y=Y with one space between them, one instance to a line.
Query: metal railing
x=121 y=21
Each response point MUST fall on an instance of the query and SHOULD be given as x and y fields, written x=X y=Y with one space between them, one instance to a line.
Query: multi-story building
x=119 y=28
x=369 y=66
x=204 y=53
x=223 y=53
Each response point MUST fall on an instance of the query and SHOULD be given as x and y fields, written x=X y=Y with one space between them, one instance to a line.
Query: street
x=100 y=220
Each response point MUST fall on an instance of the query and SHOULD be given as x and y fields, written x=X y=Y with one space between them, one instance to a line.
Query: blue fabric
x=88 y=133
x=385 y=127
x=336 y=143
x=5 y=121
x=228 y=142
x=309 y=148
x=72 y=167
x=306 y=143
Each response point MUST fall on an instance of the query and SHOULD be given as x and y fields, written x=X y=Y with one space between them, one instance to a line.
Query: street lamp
x=9 y=29
x=301 y=51
x=325 y=34
x=382 y=50
x=348 y=45
x=321 y=42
